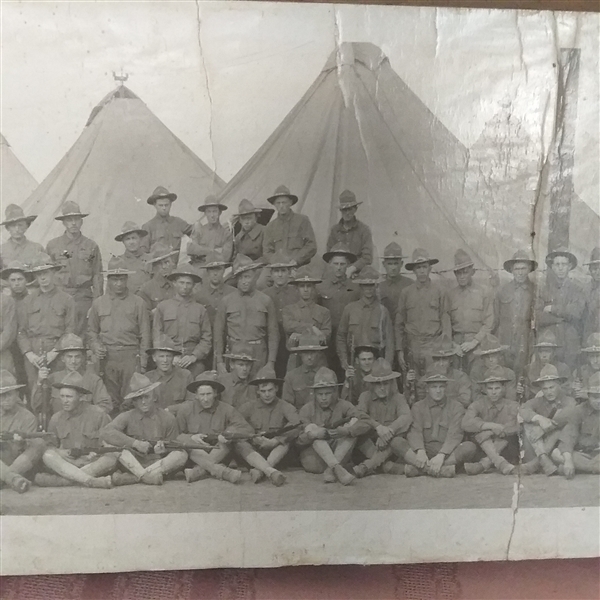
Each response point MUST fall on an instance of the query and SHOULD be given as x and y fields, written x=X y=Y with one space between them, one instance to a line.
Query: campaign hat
x=117 y=266
x=165 y=343
x=381 y=371
x=340 y=249
x=16 y=266
x=490 y=345
x=214 y=260
x=72 y=380
x=43 y=262
x=494 y=375
x=520 y=256
x=592 y=344
x=305 y=274
x=70 y=209
x=443 y=348
x=393 y=250
x=211 y=201
x=187 y=270
x=14 y=213
x=247 y=208
x=593 y=386
x=562 y=251
x=282 y=191
x=348 y=199
x=240 y=351
x=139 y=385
x=462 y=260
x=324 y=378
x=8 y=382
x=159 y=193
x=158 y=252
x=546 y=339
x=207 y=378
x=243 y=263
x=130 y=227
x=549 y=373
x=434 y=374
x=281 y=260
x=421 y=256
x=69 y=342
x=308 y=343
x=266 y=375
x=594 y=257
x=368 y=276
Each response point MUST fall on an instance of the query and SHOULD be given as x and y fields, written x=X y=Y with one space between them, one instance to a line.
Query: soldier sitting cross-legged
x=590 y=366
x=355 y=384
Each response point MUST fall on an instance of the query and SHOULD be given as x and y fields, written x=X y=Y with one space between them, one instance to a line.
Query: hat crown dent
x=594 y=383
x=69 y=208
x=74 y=380
x=137 y=383
x=7 y=379
x=368 y=274
x=246 y=207
x=490 y=342
x=444 y=346
x=495 y=373
x=281 y=258
x=70 y=341
x=547 y=338
x=165 y=342
x=393 y=250
x=381 y=368
x=462 y=258
x=325 y=377
x=549 y=372
x=593 y=340
x=265 y=373
x=241 y=349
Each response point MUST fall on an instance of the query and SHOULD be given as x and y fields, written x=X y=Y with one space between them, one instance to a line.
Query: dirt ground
x=308 y=492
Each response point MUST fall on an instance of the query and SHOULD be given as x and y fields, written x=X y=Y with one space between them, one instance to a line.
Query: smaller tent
x=16 y=182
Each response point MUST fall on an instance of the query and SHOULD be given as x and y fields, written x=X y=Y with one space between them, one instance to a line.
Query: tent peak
x=120 y=92
x=348 y=53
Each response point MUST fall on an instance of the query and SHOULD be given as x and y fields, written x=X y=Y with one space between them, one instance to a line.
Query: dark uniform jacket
x=389 y=292
x=392 y=412
x=173 y=386
x=582 y=432
x=155 y=291
x=211 y=297
x=155 y=426
x=142 y=270
x=79 y=428
x=168 y=230
x=335 y=295
x=250 y=243
x=268 y=417
x=237 y=391
x=296 y=385
x=301 y=315
x=482 y=410
x=293 y=235
x=220 y=418
x=357 y=237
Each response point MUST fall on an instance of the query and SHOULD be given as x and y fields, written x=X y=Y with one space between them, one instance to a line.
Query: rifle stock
x=9 y=436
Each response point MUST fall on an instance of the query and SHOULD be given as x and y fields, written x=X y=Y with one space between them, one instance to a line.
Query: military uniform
x=156 y=290
x=297 y=385
x=172 y=390
x=293 y=234
x=591 y=316
x=251 y=242
x=482 y=410
x=301 y=315
x=220 y=418
x=168 y=230
x=478 y=372
x=459 y=388
x=136 y=262
x=267 y=417
x=357 y=237
x=389 y=292
x=237 y=391
x=8 y=332
x=211 y=297
x=79 y=428
x=24 y=251
x=205 y=239
x=20 y=420
x=533 y=370
x=126 y=428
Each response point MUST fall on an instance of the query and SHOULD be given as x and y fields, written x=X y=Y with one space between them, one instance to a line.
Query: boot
x=51 y=480
x=392 y=468
x=342 y=475
x=328 y=475
x=19 y=483
x=119 y=478
x=548 y=466
x=152 y=478
x=448 y=471
x=361 y=470
x=530 y=468
x=411 y=471
x=505 y=467
x=227 y=474
x=195 y=474
x=104 y=483
x=277 y=478
x=474 y=468
x=256 y=475
x=557 y=456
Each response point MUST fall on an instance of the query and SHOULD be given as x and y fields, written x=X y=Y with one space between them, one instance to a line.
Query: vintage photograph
x=274 y=264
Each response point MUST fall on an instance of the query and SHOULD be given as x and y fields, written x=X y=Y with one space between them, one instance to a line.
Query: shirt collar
x=347 y=227
x=423 y=285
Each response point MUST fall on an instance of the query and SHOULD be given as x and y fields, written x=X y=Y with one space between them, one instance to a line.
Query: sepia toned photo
x=297 y=284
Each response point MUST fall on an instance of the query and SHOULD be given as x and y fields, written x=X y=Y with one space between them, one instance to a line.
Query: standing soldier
x=162 y=262
x=249 y=240
x=351 y=232
x=591 y=319
x=544 y=354
x=119 y=332
x=213 y=288
x=47 y=313
x=422 y=315
x=514 y=310
x=394 y=283
x=246 y=315
x=290 y=231
x=163 y=227
x=211 y=237
x=366 y=320
x=238 y=390
x=560 y=305
x=81 y=262
x=134 y=258
x=590 y=366
x=8 y=332
x=355 y=384
x=185 y=321
x=491 y=352
x=471 y=309
x=18 y=247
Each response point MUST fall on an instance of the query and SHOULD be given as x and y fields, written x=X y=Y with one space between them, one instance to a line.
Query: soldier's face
x=594 y=360
x=392 y=266
x=163 y=360
x=494 y=391
x=443 y=362
x=464 y=276
x=520 y=272
x=165 y=266
x=69 y=399
x=546 y=355
x=212 y=214
x=368 y=291
x=132 y=241
x=17 y=283
x=325 y=396
x=73 y=360
x=348 y=213
x=339 y=264
x=306 y=291
x=551 y=389
x=248 y=221
x=491 y=360
x=215 y=275
x=561 y=266
x=280 y=275
x=184 y=286
x=17 y=230
x=382 y=389
x=9 y=401
x=267 y=392
x=117 y=284
x=365 y=361
x=73 y=224
x=308 y=358
x=246 y=281
x=595 y=272
x=422 y=272
x=163 y=207
x=145 y=403
x=283 y=205
x=207 y=396
x=45 y=278
x=437 y=391
x=241 y=368
x=594 y=400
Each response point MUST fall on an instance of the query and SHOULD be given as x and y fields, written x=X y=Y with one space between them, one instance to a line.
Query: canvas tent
x=122 y=155
x=16 y=182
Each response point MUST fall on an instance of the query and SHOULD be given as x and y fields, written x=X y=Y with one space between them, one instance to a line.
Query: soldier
x=162 y=262
x=77 y=428
x=436 y=435
x=144 y=430
x=471 y=309
x=173 y=380
x=365 y=319
x=492 y=420
x=119 y=332
x=18 y=457
x=591 y=318
x=185 y=321
x=205 y=239
x=422 y=315
x=8 y=331
x=394 y=283
x=390 y=419
x=46 y=314
x=163 y=227
x=560 y=305
x=268 y=414
x=80 y=261
x=297 y=386
x=134 y=258
x=331 y=430
x=351 y=232
x=544 y=417
x=247 y=315
x=206 y=415
x=289 y=231
x=72 y=351
x=213 y=288
x=514 y=310
x=491 y=352
x=283 y=294
x=365 y=356
x=591 y=356
x=18 y=247
x=238 y=390
x=249 y=240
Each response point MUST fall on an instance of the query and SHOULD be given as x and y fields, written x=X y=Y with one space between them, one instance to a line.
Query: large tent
x=122 y=155
x=16 y=182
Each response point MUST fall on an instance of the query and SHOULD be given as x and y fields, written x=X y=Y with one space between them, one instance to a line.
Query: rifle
x=412 y=385
x=521 y=396
x=46 y=397
x=169 y=446
x=213 y=438
x=351 y=363
x=9 y=436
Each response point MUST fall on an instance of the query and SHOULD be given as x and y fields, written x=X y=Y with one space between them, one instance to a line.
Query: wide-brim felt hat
x=266 y=375
x=247 y=208
x=549 y=373
x=243 y=263
x=462 y=260
x=140 y=385
x=368 y=276
x=393 y=250
x=305 y=275
x=240 y=351
x=159 y=193
x=212 y=201
x=562 y=252
x=206 y=378
x=73 y=381
x=348 y=199
x=281 y=260
x=164 y=343
x=130 y=227
x=369 y=347
x=520 y=256
x=340 y=249
x=185 y=271
x=381 y=372
x=43 y=263
x=594 y=257
x=494 y=375
x=444 y=348
x=215 y=260
x=593 y=386
x=16 y=267
x=14 y=214
x=435 y=374
x=421 y=256
x=308 y=343
x=547 y=339
x=280 y=192
x=70 y=209
x=8 y=382
x=490 y=345
x=592 y=344
x=69 y=343
x=324 y=378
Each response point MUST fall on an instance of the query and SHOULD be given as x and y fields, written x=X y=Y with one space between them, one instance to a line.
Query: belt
x=249 y=341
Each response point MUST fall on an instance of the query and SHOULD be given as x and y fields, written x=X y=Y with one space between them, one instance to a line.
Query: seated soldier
x=579 y=450
x=590 y=365
x=238 y=390
x=355 y=384
x=77 y=428
x=544 y=417
x=331 y=430
x=268 y=414
x=492 y=420
x=207 y=416
x=144 y=430
x=389 y=418
x=72 y=351
x=436 y=434
x=173 y=380
x=492 y=353
x=297 y=385
x=18 y=456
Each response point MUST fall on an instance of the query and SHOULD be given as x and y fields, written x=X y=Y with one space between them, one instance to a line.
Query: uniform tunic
x=389 y=292
x=250 y=242
x=210 y=297
x=136 y=262
x=24 y=252
x=267 y=417
x=301 y=315
x=154 y=426
x=335 y=295
x=173 y=386
x=582 y=432
x=155 y=291
x=478 y=374
x=392 y=411
x=296 y=386
x=220 y=418
x=292 y=234
x=79 y=428
x=168 y=230
x=357 y=238
x=591 y=315
x=539 y=405
x=471 y=313
x=237 y=391
x=583 y=374
x=482 y=410
x=331 y=417
x=8 y=331
x=206 y=239
x=20 y=420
